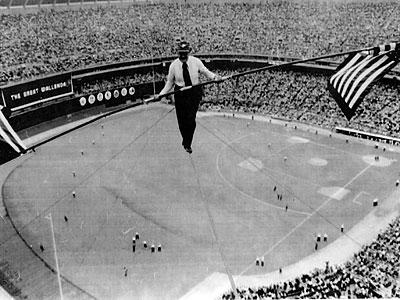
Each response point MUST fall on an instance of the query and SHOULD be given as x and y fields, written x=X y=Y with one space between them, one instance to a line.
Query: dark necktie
x=186 y=76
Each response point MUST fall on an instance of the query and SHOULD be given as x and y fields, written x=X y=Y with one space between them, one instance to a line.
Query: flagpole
x=270 y=67
x=55 y=255
x=156 y=98
x=299 y=61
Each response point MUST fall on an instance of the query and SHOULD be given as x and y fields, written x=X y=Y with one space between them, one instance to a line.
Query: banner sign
x=25 y=94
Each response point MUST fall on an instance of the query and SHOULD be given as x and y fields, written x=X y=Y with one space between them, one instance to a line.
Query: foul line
x=213 y=227
x=306 y=219
x=85 y=179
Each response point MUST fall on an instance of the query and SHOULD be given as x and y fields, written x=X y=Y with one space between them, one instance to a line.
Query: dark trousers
x=186 y=106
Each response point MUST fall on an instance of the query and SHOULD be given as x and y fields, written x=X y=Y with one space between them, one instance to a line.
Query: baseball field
x=252 y=189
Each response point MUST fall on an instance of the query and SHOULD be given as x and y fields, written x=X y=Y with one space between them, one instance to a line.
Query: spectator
x=372 y=273
x=48 y=41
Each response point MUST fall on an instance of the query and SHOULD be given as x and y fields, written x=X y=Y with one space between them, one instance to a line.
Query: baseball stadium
x=293 y=186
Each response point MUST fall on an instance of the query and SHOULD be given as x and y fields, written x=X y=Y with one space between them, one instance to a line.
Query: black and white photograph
x=199 y=149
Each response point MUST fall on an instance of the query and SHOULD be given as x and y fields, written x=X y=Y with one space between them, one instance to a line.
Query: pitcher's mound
x=381 y=162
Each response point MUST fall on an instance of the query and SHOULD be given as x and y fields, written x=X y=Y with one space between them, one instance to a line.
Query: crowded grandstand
x=51 y=41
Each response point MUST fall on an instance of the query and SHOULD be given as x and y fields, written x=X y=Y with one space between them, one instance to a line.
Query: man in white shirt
x=184 y=72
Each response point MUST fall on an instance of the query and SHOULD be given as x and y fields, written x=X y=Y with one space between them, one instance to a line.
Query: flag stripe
x=353 y=61
x=8 y=140
x=11 y=131
x=354 y=77
x=9 y=135
x=364 y=75
x=366 y=83
x=352 y=73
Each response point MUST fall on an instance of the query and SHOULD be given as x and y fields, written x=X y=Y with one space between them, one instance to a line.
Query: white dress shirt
x=175 y=74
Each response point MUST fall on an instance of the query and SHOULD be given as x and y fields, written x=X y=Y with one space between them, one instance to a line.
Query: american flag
x=8 y=135
x=355 y=76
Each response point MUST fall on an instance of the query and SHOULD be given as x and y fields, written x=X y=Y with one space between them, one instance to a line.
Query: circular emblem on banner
x=100 y=97
x=124 y=92
x=116 y=94
x=82 y=101
x=131 y=90
x=92 y=98
x=108 y=95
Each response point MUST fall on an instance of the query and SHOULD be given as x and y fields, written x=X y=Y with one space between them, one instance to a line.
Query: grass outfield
x=213 y=211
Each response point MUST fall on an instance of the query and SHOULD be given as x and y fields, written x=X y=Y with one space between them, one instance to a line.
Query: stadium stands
x=50 y=41
x=303 y=97
x=297 y=96
x=119 y=81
